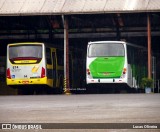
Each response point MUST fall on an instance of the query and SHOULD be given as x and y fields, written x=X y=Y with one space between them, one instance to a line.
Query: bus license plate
x=106 y=73
x=25 y=82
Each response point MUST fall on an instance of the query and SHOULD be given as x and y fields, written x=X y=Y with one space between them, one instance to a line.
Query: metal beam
x=77 y=30
x=75 y=35
x=102 y=35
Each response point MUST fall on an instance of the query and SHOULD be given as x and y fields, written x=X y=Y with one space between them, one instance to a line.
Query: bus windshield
x=105 y=49
x=25 y=52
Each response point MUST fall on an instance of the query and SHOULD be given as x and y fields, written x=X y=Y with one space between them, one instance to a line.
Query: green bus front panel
x=107 y=67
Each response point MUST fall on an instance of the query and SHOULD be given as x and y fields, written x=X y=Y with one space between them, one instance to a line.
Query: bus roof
x=21 y=43
x=99 y=42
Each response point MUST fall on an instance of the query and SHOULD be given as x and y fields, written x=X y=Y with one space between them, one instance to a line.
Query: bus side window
x=48 y=56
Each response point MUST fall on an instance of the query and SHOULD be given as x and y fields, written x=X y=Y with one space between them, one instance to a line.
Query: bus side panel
x=59 y=66
x=50 y=76
x=129 y=78
x=54 y=67
x=137 y=62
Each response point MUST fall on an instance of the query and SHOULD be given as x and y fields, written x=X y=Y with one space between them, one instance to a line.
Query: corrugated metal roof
x=40 y=7
x=52 y=6
x=73 y=6
x=32 y=6
x=126 y=5
x=94 y=6
x=153 y=5
x=1 y=3
x=11 y=6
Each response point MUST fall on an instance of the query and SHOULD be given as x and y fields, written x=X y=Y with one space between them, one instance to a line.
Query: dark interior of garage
x=130 y=27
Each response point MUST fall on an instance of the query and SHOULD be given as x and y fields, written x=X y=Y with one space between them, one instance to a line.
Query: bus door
x=54 y=71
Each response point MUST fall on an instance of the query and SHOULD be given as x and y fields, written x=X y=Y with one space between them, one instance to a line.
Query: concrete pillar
x=149 y=45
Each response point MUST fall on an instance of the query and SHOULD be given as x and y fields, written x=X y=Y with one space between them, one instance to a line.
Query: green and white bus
x=115 y=62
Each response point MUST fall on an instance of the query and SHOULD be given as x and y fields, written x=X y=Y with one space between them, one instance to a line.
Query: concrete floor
x=95 y=108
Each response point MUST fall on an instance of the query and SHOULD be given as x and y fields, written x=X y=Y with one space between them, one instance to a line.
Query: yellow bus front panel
x=26 y=81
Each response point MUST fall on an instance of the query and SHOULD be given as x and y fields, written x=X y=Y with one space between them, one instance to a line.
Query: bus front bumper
x=26 y=81
x=110 y=80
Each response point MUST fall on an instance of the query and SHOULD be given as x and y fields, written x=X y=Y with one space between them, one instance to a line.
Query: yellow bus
x=34 y=63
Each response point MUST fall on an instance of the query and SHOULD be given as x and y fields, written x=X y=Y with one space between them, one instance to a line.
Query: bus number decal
x=15 y=69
